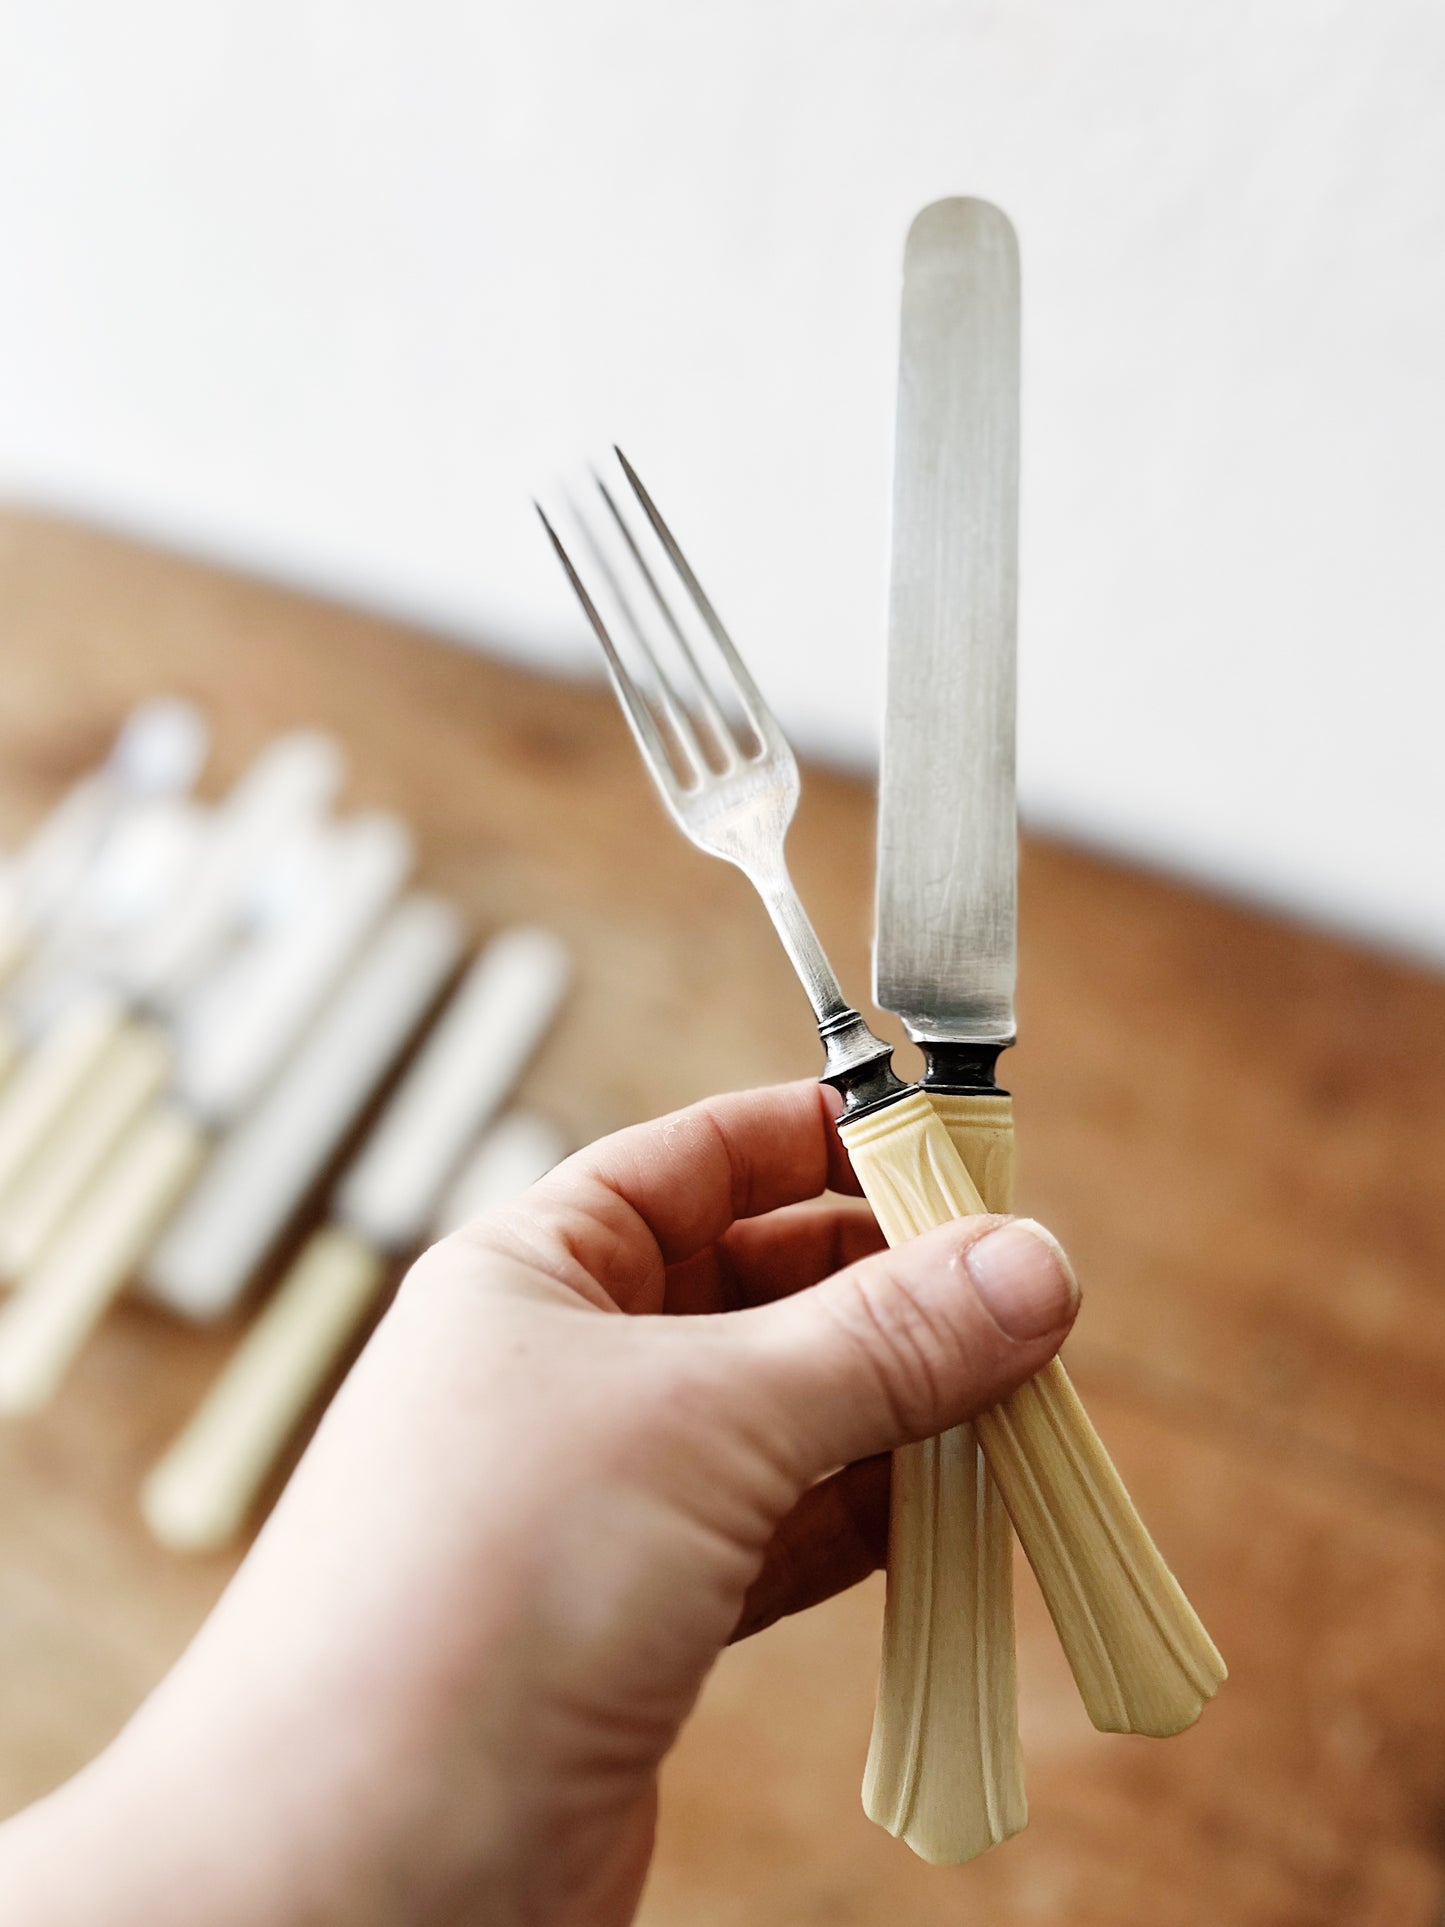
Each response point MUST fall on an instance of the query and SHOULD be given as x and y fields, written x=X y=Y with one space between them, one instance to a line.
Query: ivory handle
x=59 y=1304
x=131 y=1073
x=9 y=1049
x=945 y=1770
x=197 y=1497
x=12 y=947
x=1142 y=1660
x=50 y=1078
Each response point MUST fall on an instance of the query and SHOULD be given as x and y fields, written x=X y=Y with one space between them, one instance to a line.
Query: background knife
x=945 y=959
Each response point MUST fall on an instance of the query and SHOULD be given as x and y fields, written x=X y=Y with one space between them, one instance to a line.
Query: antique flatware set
x=944 y=1769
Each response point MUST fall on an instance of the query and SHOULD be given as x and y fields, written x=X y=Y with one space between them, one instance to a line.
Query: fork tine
x=758 y=713
x=678 y=720
x=717 y=722
x=643 y=727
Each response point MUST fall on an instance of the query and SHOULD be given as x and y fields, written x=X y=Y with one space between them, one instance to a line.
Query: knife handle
x=125 y=1080
x=48 y=1080
x=198 y=1496
x=945 y=1770
x=1142 y=1660
x=12 y=946
x=60 y=1303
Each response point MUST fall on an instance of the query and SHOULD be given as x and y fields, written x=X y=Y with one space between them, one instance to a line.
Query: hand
x=440 y=1687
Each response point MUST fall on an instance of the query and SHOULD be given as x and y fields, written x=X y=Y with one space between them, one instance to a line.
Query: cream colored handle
x=12 y=947
x=48 y=1081
x=945 y=1770
x=1142 y=1660
x=198 y=1496
x=9 y=1049
x=59 y=1304
x=129 y=1074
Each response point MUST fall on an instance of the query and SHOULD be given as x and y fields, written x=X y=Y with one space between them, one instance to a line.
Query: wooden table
x=1237 y=1125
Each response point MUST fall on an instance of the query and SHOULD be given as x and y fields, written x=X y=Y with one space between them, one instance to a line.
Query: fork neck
x=800 y=940
x=857 y=1064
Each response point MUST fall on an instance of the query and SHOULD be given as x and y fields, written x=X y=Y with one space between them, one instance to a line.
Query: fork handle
x=945 y=1771
x=1141 y=1658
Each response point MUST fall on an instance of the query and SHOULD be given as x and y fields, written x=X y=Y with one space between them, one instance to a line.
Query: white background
x=328 y=288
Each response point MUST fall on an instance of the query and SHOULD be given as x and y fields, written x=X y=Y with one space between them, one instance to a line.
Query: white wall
x=330 y=287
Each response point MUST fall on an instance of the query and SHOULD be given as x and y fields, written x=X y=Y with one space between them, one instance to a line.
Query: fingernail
x=1024 y=1278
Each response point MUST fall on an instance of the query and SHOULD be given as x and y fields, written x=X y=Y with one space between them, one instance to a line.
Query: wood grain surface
x=1238 y=1127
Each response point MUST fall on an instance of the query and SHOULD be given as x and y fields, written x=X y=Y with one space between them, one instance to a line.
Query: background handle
x=124 y=1082
x=1142 y=1660
x=48 y=1081
x=198 y=1496
x=945 y=1770
x=60 y=1303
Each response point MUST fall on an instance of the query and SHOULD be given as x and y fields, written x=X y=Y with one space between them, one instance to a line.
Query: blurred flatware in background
x=300 y=961
x=231 y=1030
x=264 y=1168
x=75 y=1005
x=518 y=1149
x=199 y=1495
x=235 y=1028
x=158 y=752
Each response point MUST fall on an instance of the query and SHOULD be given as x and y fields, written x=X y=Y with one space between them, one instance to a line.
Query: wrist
x=267 y=1830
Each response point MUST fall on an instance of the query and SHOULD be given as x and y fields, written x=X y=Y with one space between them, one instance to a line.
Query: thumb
x=910 y=1341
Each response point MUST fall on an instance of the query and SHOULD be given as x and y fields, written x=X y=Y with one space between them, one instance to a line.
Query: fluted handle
x=1142 y=1660
x=945 y=1770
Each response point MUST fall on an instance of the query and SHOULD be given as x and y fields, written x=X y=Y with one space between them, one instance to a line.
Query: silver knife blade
x=946 y=954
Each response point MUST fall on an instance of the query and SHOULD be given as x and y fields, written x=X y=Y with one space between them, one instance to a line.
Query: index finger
x=688 y=1176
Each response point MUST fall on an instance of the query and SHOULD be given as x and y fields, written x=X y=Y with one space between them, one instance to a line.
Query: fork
x=1143 y=1661
x=739 y=803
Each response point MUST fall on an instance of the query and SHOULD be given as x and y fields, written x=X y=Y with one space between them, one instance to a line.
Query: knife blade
x=946 y=954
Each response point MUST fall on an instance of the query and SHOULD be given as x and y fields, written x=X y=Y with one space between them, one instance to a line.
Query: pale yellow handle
x=13 y=947
x=59 y=1304
x=128 y=1075
x=945 y=1771
x=9 y=1049
x=1142 y=1660
x=198 y=1496
x=50 y=1078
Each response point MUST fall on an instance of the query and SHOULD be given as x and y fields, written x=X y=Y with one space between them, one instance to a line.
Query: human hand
x=441 y=1686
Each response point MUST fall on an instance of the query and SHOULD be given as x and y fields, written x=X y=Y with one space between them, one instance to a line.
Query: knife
x=951 y=1783
x=945 y=963
x=262 y=1171
x=199 y=1494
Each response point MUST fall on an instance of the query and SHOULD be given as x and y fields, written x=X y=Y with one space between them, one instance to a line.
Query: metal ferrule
x=859 y=1065
x=964 y=1068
